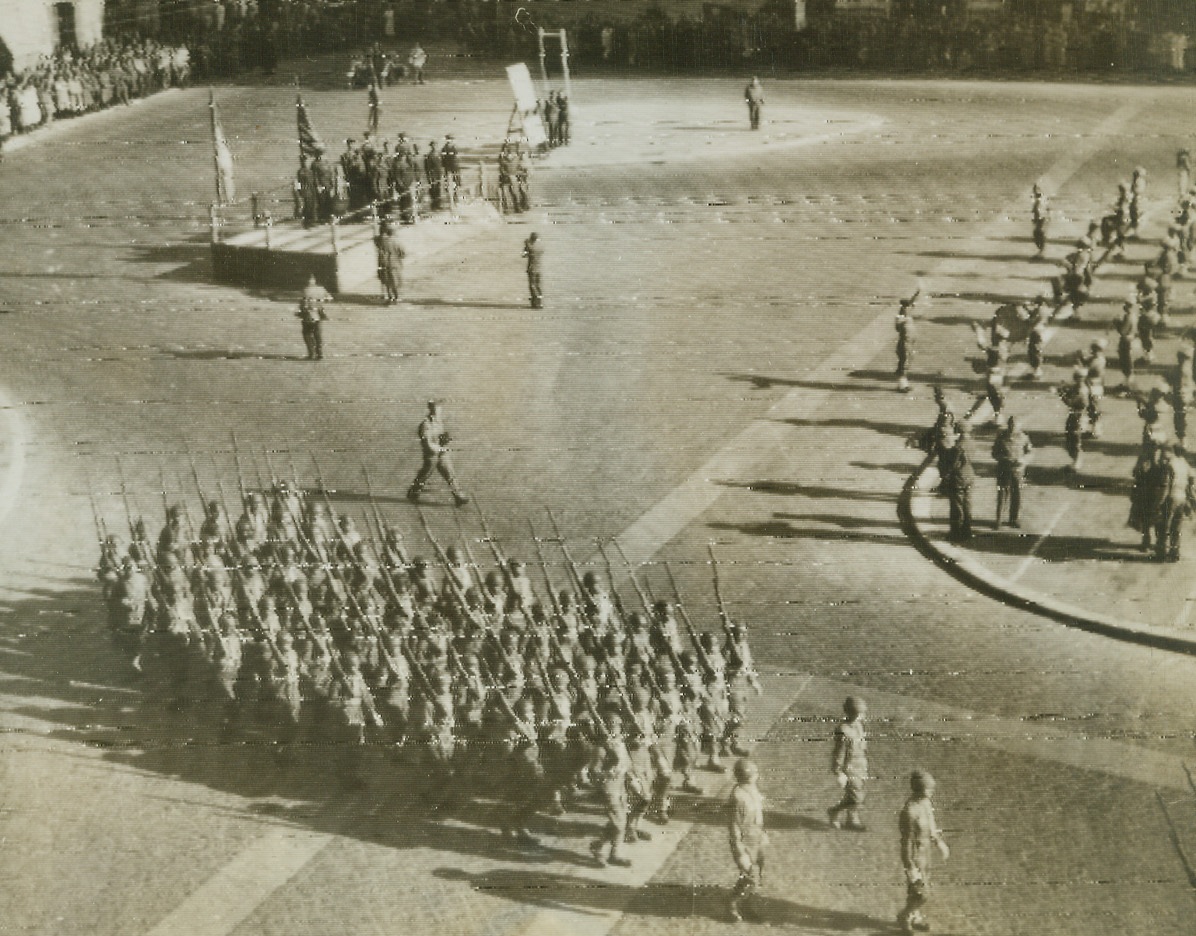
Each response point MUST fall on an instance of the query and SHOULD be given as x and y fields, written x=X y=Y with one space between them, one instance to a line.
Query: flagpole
x=215 y=154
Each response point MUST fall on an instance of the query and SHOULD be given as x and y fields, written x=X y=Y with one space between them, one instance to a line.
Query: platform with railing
x=262 y=242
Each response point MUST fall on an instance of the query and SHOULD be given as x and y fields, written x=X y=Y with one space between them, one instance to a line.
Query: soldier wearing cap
x=1039 y=213
x=849 y=764
x=311 y=316
x=1011 y=451
x=434 y=441
x=533 y=251
x=919 y=831
x=390 y=262
x=958 y=480
x=753 y=94
x=745 y=825
x=905 y=341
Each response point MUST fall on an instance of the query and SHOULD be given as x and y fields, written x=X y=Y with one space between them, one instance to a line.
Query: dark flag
x=310 y=143
x=226 y=189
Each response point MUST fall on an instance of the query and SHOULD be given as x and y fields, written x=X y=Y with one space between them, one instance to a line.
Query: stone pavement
x=714 y=362
x=1075 y=559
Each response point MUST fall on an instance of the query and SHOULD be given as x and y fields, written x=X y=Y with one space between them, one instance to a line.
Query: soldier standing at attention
x=918 y=832
x=434 y=440
x=1011 y=450
x=390 y=263
x=1038 y=213
x=533 y=250
x=958 y=480
x=312 y=316
x=849 y=764
x=754 y=95
x=748 y=838
x=905 y=341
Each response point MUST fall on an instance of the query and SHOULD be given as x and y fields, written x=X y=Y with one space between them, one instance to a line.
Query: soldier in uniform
x=1075 y=397
x=390 y=262
x=434 y=173
x=905 y=342
x=615 y=762
x=451 y=161
x=753 y=94
x=745 y=825
x=311 y=316
x=849 y=764
x=958 y=480
x=1011 y=450
x=1137 y=191
x=919 y=831
x=356 y=703
x=1039 y=214
x=533 y=250
x=1127 y=329
x=1183 y=391
x=1183 y=165
x=1096 y=363
x=434 y=441
x=1175 y=492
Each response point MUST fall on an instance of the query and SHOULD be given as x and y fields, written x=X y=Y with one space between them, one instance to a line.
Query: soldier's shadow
x=599 y=896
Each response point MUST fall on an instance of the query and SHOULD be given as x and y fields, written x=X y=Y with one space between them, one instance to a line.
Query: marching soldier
x=958 y=481
x=356 y=704
x=615 y=762
x=745 y=813
x=1096 y=363
x=849 y=764
x=434 y=442
x=1127 y=329
x=919 y=831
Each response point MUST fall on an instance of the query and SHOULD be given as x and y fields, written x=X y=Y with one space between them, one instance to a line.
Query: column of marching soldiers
x=1164 y=487
x=288 y=620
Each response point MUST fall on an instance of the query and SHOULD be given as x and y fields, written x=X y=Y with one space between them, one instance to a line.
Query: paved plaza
x=713 y=364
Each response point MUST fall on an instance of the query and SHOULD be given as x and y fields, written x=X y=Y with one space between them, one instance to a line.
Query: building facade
x=33 y=28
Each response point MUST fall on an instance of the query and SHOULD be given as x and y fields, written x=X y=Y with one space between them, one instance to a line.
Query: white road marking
x=230 y=895
x=234 y=892
x=1026 y=563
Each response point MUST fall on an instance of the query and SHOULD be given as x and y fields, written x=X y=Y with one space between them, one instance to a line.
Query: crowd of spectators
x=73 y=82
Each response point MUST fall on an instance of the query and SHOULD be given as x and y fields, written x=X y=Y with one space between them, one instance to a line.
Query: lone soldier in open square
x=849 y=762
x=919 y=832
x=390 y=263
x=312 y=316
x=434 y=439
x=533 y=250
x=754 y=95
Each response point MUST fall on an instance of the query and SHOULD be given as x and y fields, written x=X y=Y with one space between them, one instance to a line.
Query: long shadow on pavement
x=672 y=901
x=792 y=489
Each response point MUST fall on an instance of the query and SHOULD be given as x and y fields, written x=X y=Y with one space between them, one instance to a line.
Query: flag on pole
x=226 y=189
x=310 y=143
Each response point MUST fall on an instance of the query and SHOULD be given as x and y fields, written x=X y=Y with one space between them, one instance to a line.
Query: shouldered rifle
x=693 y=634
x=556 y=605
x=240 y=473
x=644 y=600
x=723 y=616
x=572 y=566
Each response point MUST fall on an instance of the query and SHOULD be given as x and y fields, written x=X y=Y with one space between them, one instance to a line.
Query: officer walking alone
x=434 y=440
x=312 y=316
x=919 y=831
x=1011 y=450
x=754 y=95
x=745 y=810
x=533 y=250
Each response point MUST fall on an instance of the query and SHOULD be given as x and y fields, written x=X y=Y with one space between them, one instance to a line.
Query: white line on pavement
x=232 y=893
x=14 y=474
x=1025 y=563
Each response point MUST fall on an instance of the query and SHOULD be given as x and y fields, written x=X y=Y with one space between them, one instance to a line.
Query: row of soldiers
x=397 y=176
x=289 y=617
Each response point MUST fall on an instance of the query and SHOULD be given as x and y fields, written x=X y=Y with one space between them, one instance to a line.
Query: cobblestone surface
x=687 y=299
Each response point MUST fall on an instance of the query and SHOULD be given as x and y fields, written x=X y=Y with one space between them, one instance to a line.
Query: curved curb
x=960 y=565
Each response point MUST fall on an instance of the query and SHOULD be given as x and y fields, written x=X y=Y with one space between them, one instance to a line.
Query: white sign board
x=525 y=104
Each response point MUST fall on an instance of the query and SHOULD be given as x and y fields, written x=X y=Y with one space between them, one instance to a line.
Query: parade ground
x=713 y=364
